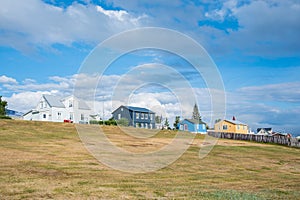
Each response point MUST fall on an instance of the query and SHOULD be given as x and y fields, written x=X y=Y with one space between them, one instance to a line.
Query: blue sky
x=255 y=45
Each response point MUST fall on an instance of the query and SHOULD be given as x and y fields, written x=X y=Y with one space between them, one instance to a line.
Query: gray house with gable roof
x=137 y=117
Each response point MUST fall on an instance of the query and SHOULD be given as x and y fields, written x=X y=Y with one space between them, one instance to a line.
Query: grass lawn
x=42 y=160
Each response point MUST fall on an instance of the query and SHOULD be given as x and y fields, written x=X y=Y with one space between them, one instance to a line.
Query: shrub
x=123 y=122
x=4 y=117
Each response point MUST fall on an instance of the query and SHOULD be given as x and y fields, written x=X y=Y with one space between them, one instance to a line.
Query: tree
x=177 y=119
x=3 y=105
x=158 y=119
x=217 y=120
x=166 y=123
x=196 y=114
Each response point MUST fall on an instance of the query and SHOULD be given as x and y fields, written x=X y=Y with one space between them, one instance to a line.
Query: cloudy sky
x=254 y=44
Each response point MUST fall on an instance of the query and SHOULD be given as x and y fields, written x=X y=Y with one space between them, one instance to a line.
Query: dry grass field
x=40 y=160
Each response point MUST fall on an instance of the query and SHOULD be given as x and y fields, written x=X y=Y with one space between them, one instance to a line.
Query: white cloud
x=120 y=15
x=7 y=80
x=35 y=23
x=274 y=34
x=282 y=92
x=274 y=105
x=24 y=101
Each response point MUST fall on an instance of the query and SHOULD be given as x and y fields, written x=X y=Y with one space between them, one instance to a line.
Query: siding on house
x=55 y=109
x=192 y=126
x=231 y=126
x=137 y=117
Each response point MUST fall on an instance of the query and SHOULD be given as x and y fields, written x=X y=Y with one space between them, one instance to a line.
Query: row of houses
x=71 y=109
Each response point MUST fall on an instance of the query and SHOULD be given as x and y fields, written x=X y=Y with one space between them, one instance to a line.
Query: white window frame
x=137 y=115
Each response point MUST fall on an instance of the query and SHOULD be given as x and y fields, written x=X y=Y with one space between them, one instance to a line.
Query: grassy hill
x=40 y=160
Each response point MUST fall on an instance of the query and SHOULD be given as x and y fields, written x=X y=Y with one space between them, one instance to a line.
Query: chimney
x=233 y=118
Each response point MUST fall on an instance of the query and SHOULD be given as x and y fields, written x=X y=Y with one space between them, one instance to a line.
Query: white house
x=55 y=109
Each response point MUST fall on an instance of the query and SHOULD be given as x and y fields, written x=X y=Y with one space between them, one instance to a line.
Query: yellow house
x=231 y=126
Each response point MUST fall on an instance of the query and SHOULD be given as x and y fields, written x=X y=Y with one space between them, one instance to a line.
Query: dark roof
x=194 y=121
x=53 y=101
x=136 y=109
x=266 y=129
x=10 y=112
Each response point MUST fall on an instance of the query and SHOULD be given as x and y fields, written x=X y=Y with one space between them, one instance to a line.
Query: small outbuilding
x=193 y=126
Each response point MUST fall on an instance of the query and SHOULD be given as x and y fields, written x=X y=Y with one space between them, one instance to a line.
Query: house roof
x=266 y=129
x=53 y=101
x=236 y=122
x=82 y=105
x=136 y=109
x=194 y=121
x=139 y=109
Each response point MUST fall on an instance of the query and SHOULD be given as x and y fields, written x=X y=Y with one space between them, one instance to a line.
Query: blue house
x=137 y=117
x=193 y=126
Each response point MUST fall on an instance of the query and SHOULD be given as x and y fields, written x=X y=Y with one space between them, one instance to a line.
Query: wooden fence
x=283 y=140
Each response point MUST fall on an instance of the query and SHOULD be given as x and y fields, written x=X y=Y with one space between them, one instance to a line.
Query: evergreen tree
x=196 y=114
x=177 y=119
x=158 y=119
x=3 y=104
x=166 y=123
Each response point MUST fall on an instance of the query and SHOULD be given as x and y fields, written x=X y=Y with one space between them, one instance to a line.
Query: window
x=238 y=127
x=146 y=126
x=185 y=127
x=203 y=126
x=151 y=116
x=44 y=116
x=45 y=105
x=137 y=115
x=225 y=127
x=142 y=125
x=119 y=116
x=142 y=115
x=70 y=103
x=41 y=104
x=122 y=109
x=71 y=116
x=82 y=117
x=59 y=115
x=146 y=116
x=151 y=127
